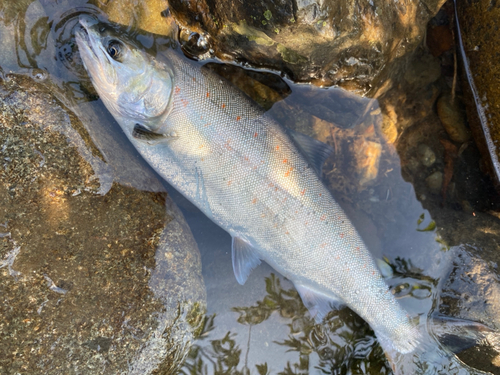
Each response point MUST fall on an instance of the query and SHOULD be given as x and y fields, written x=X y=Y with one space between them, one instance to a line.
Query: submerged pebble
x=423 y=70
x=452 y=118
x=426 y=156
x=435 y=182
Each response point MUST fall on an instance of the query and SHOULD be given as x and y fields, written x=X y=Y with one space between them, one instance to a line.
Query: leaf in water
x=443 y=243
x=428 y=228
x=420 y=219
x=262 y=369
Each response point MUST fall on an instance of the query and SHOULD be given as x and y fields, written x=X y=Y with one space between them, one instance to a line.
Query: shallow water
x=262 y=327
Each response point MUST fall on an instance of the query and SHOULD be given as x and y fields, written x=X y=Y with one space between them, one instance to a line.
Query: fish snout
x=87 y=21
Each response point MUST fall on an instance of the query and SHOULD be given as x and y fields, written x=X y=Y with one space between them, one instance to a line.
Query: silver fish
x=250 y=176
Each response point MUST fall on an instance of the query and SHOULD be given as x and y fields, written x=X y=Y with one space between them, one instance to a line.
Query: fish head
x=132 y=84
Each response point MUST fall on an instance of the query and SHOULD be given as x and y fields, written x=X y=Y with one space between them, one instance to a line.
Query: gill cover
x=130 y=82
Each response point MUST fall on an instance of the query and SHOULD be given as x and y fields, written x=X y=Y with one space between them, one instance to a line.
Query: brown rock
x=111 y=276
x=145 y=15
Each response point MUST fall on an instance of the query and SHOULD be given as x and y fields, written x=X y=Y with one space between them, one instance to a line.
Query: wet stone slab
x=346 y=43
x=89 y=283
x=478 y=39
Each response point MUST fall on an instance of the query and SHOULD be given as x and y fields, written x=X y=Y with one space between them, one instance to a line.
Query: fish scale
x=248 y=174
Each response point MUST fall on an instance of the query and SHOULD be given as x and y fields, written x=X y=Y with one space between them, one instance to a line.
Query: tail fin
x=431 y=357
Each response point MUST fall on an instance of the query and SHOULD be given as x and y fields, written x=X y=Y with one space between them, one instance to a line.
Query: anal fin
x=318 y=304
x=245 y=259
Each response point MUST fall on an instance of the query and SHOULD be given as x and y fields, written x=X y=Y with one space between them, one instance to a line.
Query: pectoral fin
x=319 y=305
x=144 y=134
x=245 y=259
x=316 y=152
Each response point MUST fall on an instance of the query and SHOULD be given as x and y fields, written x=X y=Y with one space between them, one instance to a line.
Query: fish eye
x=114 y=49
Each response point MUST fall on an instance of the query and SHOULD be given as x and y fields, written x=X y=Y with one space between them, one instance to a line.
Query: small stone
x=426 y=156
x=496 y=361
x=452 y=118
x=434 y=182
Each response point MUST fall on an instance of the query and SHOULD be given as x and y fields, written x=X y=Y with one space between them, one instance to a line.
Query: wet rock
x=435 y=182
x=412 y=165
x=326 y=42
x=426 y=155
x=452 y=118
x=264 y=88
x=479 y=44
x=472 y=290
x=90 y=283
x=145 y=15
x=407 y=104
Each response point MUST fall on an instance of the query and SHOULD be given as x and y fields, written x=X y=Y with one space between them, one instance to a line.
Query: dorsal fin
x=316 y=152
x=245 y=259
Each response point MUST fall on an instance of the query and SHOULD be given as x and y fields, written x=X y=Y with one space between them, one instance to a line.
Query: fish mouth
x=87 y=22
x=82 y=34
